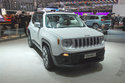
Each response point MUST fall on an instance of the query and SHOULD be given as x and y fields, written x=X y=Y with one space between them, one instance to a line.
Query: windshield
x=63 y=21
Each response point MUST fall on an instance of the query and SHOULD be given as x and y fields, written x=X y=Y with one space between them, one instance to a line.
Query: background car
x=96 y=21
x=120 y=24
x=5 y=19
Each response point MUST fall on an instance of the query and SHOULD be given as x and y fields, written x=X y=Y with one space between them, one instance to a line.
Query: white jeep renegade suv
x=64 y=40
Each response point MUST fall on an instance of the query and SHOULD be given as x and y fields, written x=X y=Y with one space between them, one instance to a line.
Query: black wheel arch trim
x=49 y=45
x=46 y=42
x=28 y=32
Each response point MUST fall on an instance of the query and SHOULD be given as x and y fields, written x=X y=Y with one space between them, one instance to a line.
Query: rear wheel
x=95 y=26
x=47 y=59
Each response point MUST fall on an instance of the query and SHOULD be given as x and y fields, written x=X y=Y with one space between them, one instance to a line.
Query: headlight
x=67 y=43
x=102 y=39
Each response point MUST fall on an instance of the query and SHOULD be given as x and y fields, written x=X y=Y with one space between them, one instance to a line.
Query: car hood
x=67 y=33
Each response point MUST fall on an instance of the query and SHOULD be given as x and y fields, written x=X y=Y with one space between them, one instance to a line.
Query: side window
x=96 y=17
x=92 y=17
x=38 y=17
x=73 y=21
x=87 y=17
x=34 y=18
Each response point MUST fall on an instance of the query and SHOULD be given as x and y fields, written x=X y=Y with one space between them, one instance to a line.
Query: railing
x=9 y=33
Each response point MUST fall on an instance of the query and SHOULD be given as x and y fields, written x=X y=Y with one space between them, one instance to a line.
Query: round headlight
x=67 y=43
x=102 y=39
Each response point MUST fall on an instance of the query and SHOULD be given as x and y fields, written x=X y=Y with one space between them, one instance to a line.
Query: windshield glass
x=63 y=21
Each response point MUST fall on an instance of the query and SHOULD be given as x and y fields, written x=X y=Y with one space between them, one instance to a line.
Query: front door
x=38 y=17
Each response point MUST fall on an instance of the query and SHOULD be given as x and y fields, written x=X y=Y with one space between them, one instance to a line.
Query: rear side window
x=38 y=17
x=87 y=17
x=94 y=17
x=105 y=17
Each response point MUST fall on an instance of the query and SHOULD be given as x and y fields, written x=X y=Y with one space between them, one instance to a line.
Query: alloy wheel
x=45 y=56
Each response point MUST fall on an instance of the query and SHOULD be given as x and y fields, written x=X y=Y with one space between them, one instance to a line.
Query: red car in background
x=5 y=20
x=8 y=18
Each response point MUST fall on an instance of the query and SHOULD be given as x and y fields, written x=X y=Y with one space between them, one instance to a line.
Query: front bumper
x=77 y=59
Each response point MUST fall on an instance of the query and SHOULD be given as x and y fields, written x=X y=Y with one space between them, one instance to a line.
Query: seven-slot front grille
x=88 y=41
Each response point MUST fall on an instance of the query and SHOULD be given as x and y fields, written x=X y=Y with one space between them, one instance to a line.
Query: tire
x=47 y=59
x=95 y=26
x=30 y=43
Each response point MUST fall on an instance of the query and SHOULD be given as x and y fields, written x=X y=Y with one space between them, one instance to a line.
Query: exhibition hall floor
x=21 y=64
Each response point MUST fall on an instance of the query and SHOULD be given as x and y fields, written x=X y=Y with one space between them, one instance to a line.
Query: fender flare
x=47 y=43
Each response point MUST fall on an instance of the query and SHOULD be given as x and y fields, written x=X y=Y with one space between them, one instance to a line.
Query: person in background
x=28 y=19
x=118 y=19
x=22 y=20
x=123 y=20
x=13 y=21
x=109 y=15
x=16 y=23
x=113 y=18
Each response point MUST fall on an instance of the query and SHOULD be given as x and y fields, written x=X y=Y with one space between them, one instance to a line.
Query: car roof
x=57 y=12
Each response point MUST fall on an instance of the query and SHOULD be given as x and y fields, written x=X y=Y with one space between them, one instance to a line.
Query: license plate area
x=89 y=55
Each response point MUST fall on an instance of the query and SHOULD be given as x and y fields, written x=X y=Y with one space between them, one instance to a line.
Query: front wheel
x=95 y=26
x=47 y=59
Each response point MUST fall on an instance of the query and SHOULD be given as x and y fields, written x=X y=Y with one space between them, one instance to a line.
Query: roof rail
x=53 y=10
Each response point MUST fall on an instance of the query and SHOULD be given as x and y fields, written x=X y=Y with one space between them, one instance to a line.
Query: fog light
x=65 y=54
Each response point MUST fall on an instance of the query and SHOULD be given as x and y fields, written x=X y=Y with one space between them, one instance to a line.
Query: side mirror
x=37 y=24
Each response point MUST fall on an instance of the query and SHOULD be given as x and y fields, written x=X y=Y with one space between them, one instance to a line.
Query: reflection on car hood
x=67 y=33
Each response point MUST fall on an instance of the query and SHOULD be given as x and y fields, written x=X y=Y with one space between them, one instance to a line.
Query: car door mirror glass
x=37 y=24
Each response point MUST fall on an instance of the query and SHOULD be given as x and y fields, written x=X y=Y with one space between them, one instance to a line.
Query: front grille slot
x=87 y=42
x=84 y=42
x=76 y=43
x=91 y=43
x=80 y=42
